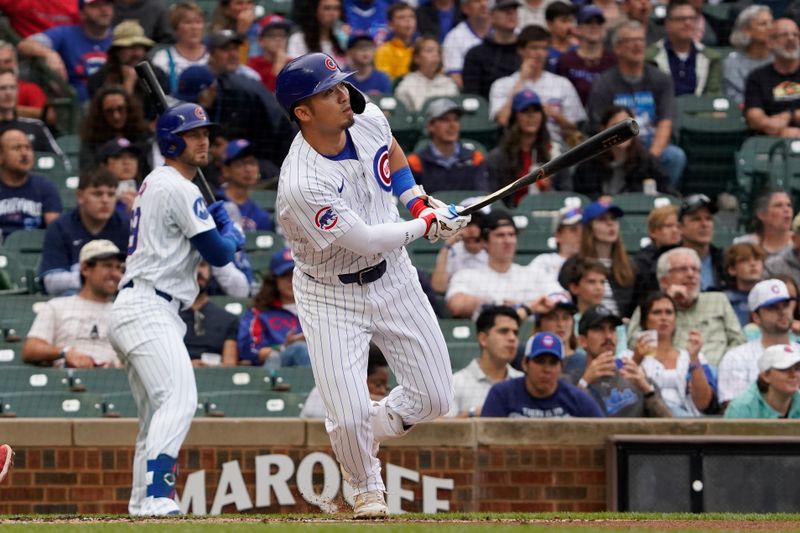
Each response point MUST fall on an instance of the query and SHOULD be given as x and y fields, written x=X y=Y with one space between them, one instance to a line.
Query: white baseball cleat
x=6 y=460
x=159 y=507
x=370 y=505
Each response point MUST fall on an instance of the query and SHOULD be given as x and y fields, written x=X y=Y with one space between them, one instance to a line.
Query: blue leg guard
x=164 y=470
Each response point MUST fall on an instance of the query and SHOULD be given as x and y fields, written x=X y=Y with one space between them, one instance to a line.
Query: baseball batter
x=354 y=281
x=170 y=224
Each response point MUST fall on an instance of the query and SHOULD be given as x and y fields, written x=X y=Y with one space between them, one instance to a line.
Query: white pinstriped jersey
x=319 y=198
x=167 y=212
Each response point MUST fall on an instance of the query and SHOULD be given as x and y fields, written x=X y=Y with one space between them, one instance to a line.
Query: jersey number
x=133 y=240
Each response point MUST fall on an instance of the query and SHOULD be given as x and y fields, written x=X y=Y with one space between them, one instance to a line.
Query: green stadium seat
x=424 y=261
x=235 y=306
x=264 y=198
x=760 y=161
x=120 y=405
x=458 y=330
x=640 y=203
x=31 y=378
x=262 y=241
x=533 y=204
x=51 y=165
x=25 y=241
x=18 y=311
x=259 y=262
x=99 y=380
x=70 y=144
x=299 y=378
x=405 y=124
x=281 y=7
x=50 y=404
x=462 y=353
x=536 y=239
x=17 y=276
x=232 y=379
x=254 y=404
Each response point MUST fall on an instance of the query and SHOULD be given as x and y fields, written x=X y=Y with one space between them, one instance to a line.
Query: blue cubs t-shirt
x=24 y=207
x=376 y=83
x=254 y=218
x=82 y=56
x=511 y=399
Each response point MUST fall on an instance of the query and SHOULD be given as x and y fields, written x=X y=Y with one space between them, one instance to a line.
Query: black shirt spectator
x=496 y=57
x=429 y=14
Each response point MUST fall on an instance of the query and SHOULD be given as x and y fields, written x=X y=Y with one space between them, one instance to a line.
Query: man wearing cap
x=771 y=310
x=224 y=57
x=591 y=58
x=617 y=384
x=496 y=57
x=94 y=218
x=540 y=393
x=560 y=19
x=465 y=35
x=240 y=173
x=775 y=393
x=78 y=51
x=272 y=38
x=696 y=224
x=678 y=272
x=567 y=229
x=73 y=331
x=445 y=163
x=360 y=58
x=121 y=158
x=787 y=261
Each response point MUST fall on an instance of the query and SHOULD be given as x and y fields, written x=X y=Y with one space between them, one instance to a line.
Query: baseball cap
x=779 y=356
x=84 y=3
x=596 y=315
x=562 y=299
x=281 y=262
x=497 y=218
x=357 y=37
x=99 y=249
x=500 y=4
x=117 y=146
x=220 y=38
x=237 y=149
x=440 y=107
x=694 y=202
x=767 y=292
x=599 y=208
x=130 y=33
x=590 y=12
x=567 y=216
x=524 y=100
x=273 y=21
x=544 y=343
x=193 y=81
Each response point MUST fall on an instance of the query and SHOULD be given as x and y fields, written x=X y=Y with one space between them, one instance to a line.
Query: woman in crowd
x=772 y=223
x=426 y=79
x=627 y=167
x=681 y=373
x=750 y=38
x=238 y=16
x=188 y=23
x=775 y=393
x=321 y=30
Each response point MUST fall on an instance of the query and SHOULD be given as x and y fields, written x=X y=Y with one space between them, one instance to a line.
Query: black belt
x=367 y=275
x=163 y=294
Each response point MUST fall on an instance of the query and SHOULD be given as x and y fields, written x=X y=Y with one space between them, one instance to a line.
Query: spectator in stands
x=560 y=102
x=772 y=222
x=501 y=281
x=112 y=114
x=694 y=69
x=750 y=38
x=646 y=91
x=78 y=51
x=561 y=321
x=775 y=392
x=93 y=218
x=367 y=16
x=664 y=234
x=31 y=99
x=73 y=331
x=769 y=100
x=585 y=278
x=497 y=330
x=273 y=39
x=36 y=131
x=436 y=18
x=495 y=57
x=463 y=250
x=121 y=158
x=152 y=16
x=567 y=229
x=678 y=272
x=681 y=373
x=211 y=331
x=582 y=64
x=618 y=385
x=360 y=58
x=27 y=201
x=187 y=20
x=238 y=17
x=626 y=167
x=28 y=17
x=696 y=222
x=540 y=393
x=744 y=265
x=787 y=262
x=770 y=304
x=532 y=13
x=642 y=12
x=240 y=173
x=466 y=34
x=216 y=158
x=320 y=31
x=394 y=56
x=445 y=163
x=612 y=11
x=224 y=55
x=269 y=331
x=426 y=79
x=560 y=18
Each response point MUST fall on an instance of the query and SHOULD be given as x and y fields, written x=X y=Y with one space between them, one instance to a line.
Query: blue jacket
x=259 y=328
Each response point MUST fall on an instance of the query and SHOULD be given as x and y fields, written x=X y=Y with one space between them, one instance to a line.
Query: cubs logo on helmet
x=179 y=119
x=380 y=165
x=326 y=218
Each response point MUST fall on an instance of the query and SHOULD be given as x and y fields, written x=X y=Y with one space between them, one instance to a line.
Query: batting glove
x=219 y=214
x=233 y=232
x=444 y=222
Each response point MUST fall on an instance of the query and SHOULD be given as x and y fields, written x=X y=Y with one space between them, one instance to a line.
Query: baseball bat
x=153 y=91
x=591 y=147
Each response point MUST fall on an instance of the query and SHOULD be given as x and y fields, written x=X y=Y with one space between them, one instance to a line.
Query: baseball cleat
x=159 y=507
x=6 y=460
x=370 y=505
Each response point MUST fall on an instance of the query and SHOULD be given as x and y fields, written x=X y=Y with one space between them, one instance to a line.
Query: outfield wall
x=286 y=465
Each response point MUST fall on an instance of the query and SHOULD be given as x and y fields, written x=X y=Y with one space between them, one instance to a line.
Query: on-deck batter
x=170 y=223
x=354 y=281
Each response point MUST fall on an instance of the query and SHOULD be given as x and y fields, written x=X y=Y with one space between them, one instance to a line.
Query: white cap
x=779 y=356
x=99 y=249
x=767 y=292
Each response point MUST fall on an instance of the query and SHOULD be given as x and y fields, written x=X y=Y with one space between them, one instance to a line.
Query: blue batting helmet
x=311 y=74
x=178 y=119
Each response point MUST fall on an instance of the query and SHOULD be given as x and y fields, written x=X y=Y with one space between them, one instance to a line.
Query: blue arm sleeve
x=214 y=248
x=402 y=180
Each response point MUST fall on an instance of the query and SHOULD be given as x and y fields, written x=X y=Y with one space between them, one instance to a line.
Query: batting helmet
x=178 y=119
x=311 y=74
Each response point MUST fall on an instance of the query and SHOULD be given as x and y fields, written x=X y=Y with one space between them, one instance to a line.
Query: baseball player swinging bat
x=591 y=147
x=156 y=94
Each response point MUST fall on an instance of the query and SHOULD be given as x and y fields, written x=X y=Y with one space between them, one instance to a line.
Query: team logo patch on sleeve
x=200 y=209
x=380 y=165
x=326 y=218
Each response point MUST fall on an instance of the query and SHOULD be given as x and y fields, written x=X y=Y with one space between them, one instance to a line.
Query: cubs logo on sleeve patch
x=200 y=209
x=326 y=218
x=380 y=165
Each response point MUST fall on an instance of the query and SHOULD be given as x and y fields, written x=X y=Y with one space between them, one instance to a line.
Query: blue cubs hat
x=525 y=99
x=544 y=343
x=237 y=148
x=281 y=262
x=193 y=81
x=590 y=12
x=599 y=208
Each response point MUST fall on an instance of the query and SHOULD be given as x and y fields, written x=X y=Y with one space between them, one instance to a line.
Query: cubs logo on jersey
x=326 y=218
x=380 y=165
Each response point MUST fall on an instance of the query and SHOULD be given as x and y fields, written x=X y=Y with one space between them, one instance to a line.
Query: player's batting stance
x=170 y=224
x=354 y=280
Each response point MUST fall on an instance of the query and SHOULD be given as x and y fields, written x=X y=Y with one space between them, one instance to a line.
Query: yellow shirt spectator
x=394 y=58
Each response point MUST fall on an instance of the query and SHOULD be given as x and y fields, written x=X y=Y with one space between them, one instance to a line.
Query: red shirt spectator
x=34 y=16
